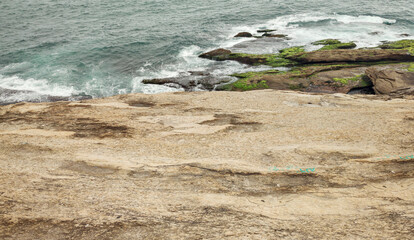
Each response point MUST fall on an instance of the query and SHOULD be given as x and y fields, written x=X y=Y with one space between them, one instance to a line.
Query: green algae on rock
x=274 y=60
x=349 y=45
x=411 y=67
x=406 y=44
x=288 y=52
x=364 y=80
x=334 y=44
x=352 y=55
x=327 y=42
x=246 y=85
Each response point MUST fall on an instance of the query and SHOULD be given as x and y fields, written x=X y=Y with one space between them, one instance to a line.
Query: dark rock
x=375 y=33
x=276 y=35
x=199 y=73
x=266 y=30
x=218 y=54
x=358 y=55
x=405 y=35
x=189 y=83
x=392 y=79
x=362 y=90
x=244 y=34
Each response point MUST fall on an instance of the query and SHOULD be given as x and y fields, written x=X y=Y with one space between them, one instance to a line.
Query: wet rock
x=244 y=34
x=266 y=30
x=404 y=35
x=274 y=60
x=218 y=54
x=276 y=35
x=375 y=33
x=358 y=55
x=392 y=79
x=190 y=83
x=199 y=73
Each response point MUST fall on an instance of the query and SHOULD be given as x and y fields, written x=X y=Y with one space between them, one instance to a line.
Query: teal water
x=106 y=47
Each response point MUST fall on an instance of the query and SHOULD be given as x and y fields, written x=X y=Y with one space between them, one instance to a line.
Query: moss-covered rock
x=359 y=80
x=352 y=55
x=411 y=67
x=334 y=44
x=402 y=44
x=349 y=45
x=288 y=52
x=274 y=60
x=327 y=42
x=298 y=78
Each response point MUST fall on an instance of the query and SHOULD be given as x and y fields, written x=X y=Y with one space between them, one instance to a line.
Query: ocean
x=107 y=47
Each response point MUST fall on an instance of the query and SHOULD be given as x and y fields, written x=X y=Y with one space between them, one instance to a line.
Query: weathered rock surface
x=208 y=165
x=339 y=81
x=325 y=79
x=392 y=79
x=244 y=34
x=357 y=55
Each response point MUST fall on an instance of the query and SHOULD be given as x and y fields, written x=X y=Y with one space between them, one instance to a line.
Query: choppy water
x=106 y=47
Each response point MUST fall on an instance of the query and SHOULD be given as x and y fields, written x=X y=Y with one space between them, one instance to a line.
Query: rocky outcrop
x=244 y=34
x=194 y=81
x=324 y=79
x=208 y=165
x=218 y=54
x=274 y=60
x=358 y=55
x=393 y=80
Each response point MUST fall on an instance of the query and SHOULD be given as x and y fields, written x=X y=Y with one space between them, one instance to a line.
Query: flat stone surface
x=208 y=165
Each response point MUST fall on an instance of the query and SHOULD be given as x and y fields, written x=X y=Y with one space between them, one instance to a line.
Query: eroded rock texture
x=201 y=166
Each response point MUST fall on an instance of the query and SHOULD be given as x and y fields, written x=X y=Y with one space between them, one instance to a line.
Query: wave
x=40 y=86
x=284 y=21
x=364 y=30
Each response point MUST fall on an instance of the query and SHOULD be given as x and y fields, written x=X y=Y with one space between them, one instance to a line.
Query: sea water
x=107 y=47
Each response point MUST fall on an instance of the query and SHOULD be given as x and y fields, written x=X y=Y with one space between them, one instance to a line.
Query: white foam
x=15 y=68
x=139 y=87
x=41 y=86
x=344 y=28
